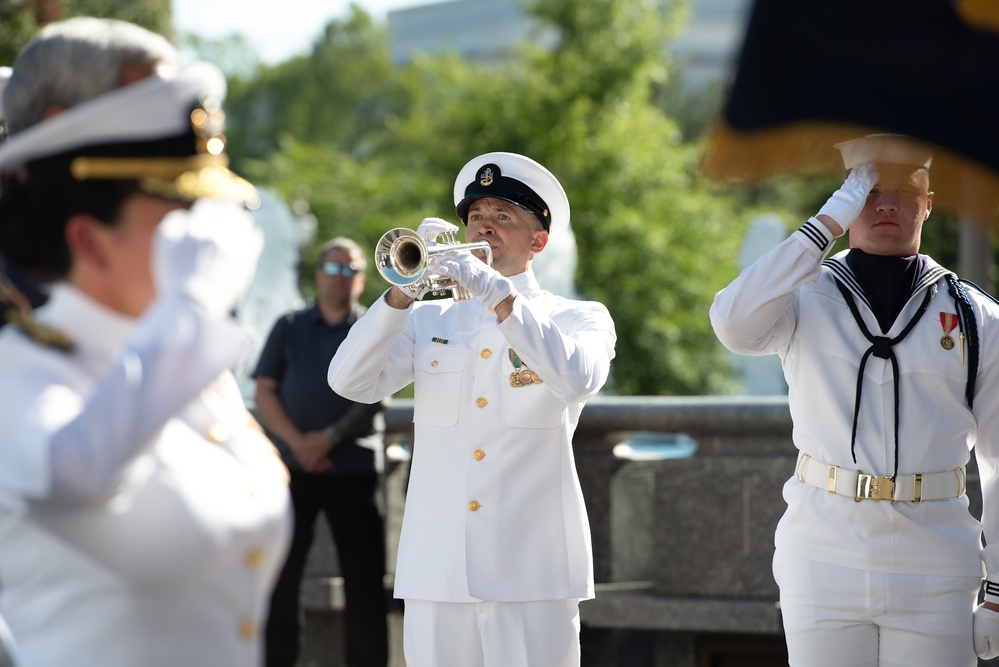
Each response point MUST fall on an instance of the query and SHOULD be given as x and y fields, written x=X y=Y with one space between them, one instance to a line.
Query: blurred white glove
x=431 y=228
x=986 y=632
x=207 y=254
x=476 y=276
x=846 y=203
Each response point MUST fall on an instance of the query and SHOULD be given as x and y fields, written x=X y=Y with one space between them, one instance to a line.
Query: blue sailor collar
x=840 y=268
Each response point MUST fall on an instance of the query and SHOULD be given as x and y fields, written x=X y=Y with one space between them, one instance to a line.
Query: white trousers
x=841 y=617
x=491 y=634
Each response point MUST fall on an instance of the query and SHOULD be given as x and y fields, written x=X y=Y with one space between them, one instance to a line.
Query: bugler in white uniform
x=494 y=510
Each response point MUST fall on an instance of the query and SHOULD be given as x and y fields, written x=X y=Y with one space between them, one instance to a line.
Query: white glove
x=428 y=230
x=431 y=228
x=207 y=254
x=986 y=633
x=846 y=203
x=416 y=290
x=476 y=276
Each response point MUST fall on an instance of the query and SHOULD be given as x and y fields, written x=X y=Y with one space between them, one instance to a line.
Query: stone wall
x=682 y=537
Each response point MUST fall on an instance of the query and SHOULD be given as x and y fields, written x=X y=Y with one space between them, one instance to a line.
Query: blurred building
x=705 y=50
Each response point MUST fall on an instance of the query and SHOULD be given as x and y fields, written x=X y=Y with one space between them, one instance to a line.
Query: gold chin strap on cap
x=185 y=178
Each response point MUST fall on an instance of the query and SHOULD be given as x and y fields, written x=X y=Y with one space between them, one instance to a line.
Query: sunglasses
x=337 y=269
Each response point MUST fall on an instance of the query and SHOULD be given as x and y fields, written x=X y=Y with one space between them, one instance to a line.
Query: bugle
x=403 y=258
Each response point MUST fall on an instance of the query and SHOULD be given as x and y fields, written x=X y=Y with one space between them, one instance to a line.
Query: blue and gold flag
x=813 y=73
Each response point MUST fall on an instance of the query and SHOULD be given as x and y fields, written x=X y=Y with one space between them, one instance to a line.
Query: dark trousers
x=348 y=502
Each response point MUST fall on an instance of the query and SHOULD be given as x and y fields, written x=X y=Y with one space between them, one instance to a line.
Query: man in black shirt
x=333 y=448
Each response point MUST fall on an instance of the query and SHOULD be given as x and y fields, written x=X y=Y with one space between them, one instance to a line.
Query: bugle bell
x=403 y=258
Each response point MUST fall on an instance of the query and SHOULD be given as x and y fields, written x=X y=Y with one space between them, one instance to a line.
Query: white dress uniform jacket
x=787 y=303
x=494 y=509
x=170 y=563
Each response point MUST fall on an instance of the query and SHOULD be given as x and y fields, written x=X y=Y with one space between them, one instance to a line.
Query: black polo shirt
x=297 y=354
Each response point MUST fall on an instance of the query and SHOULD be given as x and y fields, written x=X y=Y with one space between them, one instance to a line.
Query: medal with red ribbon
x=948 y=321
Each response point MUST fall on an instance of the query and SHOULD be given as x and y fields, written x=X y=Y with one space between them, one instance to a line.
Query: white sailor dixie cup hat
x=885 y=148
x=164 y=132
x=518 y=180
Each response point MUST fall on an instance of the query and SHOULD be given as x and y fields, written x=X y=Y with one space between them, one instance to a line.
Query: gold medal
x=948 y=321
x=522 y=375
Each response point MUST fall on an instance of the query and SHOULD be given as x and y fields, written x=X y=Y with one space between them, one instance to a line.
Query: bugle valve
x=403 y=259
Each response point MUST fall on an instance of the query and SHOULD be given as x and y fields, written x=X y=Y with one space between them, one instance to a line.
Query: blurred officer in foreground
x=143 y=514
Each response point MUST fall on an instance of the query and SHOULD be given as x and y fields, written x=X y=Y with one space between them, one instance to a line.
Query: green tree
x=340 y=96
x=18 y=23
x=151 y=14
x=233 y=54
x=379 y=147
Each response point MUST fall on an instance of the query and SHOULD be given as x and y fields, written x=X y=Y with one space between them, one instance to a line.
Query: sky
x=275 y=37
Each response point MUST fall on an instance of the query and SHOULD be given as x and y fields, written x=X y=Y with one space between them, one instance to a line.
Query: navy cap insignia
x=486 y=177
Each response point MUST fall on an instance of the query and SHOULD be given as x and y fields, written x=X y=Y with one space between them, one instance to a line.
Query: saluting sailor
x=495 y=550
x=892 y=366
x=143 y=515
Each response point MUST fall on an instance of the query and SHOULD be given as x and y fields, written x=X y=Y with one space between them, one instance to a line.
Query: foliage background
x=376 y=146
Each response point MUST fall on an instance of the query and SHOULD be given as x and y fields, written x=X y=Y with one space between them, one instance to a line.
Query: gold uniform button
x=217 y=432
x=486 y=353
x=474 y=505
x=433 y=364
x=255 y=558
x=481 y=402
x=247 y=629
x=478 y=454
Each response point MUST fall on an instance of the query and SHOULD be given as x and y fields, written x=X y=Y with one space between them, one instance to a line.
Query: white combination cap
x=164 y=131
x=517 y=179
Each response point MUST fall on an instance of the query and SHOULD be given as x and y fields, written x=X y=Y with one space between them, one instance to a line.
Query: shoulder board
x=39 y=332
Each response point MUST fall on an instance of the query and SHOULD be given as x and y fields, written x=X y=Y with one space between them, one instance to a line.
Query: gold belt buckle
x=873 y=487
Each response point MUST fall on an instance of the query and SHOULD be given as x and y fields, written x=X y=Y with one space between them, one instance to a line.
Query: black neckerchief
x=887 y=282
x=881 y=347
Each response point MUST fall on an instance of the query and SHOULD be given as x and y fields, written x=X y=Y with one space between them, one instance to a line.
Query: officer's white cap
x=887 y=149
x=164 y=131
x=517 y=179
